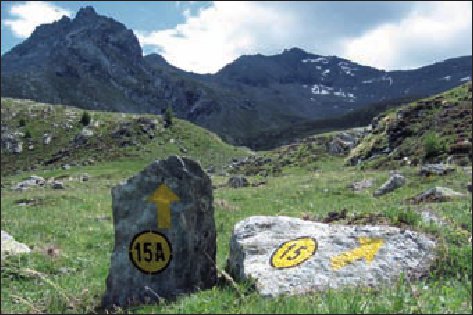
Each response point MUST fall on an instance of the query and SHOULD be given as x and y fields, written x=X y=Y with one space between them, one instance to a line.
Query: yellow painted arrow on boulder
x=163 y=196
x=368 y=249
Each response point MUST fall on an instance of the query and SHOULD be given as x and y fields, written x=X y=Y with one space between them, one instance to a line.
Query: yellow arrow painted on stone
x=368 y=249
x=163 y=196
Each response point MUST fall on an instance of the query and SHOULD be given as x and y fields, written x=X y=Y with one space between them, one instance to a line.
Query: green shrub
x=434 y=145
x=27 y=134
x=168 y=117
x=22 y=122
x=85 y=119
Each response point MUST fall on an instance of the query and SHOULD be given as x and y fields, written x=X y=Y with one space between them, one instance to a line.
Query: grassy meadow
x=71 y=234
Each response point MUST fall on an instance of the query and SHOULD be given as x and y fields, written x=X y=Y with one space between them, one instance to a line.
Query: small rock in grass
x=395 y=181
x=57 y=184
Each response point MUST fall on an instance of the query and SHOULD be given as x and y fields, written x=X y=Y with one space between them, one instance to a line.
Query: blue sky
x=204 y=36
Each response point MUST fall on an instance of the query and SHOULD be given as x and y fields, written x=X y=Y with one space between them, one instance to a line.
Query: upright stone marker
x=164 y=234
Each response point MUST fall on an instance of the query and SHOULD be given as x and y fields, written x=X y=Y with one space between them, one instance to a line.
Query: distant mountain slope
x=38 y=136
x=429 y=130
x=95 y=62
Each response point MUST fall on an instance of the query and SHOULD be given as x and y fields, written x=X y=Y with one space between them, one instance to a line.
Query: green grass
x=77 y=222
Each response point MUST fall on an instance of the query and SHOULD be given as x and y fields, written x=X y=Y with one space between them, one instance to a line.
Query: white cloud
x=217 y=35
x=429 y=33
x=383 y=34
x=30 y=14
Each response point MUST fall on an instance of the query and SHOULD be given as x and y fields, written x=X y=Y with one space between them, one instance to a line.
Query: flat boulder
x=291 y=256
x=436 y=194
x=11 y=247
x=30 y=182
x=435 y=169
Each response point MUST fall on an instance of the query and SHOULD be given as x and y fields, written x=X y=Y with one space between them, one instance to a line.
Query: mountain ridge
x=95 y=62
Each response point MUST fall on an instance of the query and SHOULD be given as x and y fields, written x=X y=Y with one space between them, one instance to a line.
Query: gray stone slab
x=257 y=240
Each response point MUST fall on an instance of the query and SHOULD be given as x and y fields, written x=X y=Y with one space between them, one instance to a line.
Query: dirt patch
x=225 y=205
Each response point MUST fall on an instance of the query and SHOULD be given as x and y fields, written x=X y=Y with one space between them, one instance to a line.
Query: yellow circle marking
x=150 y=252
x=294 y=252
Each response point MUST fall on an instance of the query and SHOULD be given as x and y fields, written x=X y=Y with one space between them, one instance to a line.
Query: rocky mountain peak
x=294 y=51
x=87 y=12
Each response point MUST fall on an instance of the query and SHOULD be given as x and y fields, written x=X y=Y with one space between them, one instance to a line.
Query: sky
x=204 y=36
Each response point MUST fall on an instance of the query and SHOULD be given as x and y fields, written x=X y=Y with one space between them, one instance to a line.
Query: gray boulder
x=435 y=169
x=30 y=182
x=238 y=182
x=170 y=200
x=11 y=247
x=57 y=185
x=394 y=182
x=47 y=139
x=291 y=256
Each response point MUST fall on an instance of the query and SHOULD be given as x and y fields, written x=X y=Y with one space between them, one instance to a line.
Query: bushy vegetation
x=434 y=145
x=168 y=117
x=85 y=118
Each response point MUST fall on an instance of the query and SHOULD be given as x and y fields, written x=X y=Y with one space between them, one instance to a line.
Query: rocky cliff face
x=95 y=62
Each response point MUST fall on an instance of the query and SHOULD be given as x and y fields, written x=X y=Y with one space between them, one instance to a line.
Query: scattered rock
x=123 y=130
x=189 y=264
x=335 y=216
x=11 y=247
x=237 y=182
x=28 y=202
x=291 y=256
x=359 y=186
x=57 y=185
x=435 y=169
x=394 y=182
x=211 y=169
x=429 y=217
x=436 y=194
x=65 y=166
x=86 y=132
x=47 y=139
x=84 y=177
x=11 y=143
x=30 y=182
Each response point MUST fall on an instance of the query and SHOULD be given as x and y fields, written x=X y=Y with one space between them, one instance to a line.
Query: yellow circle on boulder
x=150 y=252
x=294 y=252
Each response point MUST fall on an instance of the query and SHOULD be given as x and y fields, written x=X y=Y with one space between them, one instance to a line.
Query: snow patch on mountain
x=345 y=66
x=320 y=59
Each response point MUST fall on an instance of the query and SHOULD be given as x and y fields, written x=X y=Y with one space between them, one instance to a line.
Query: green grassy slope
x=429 y=130
x=71 y=230
x=135 y=144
